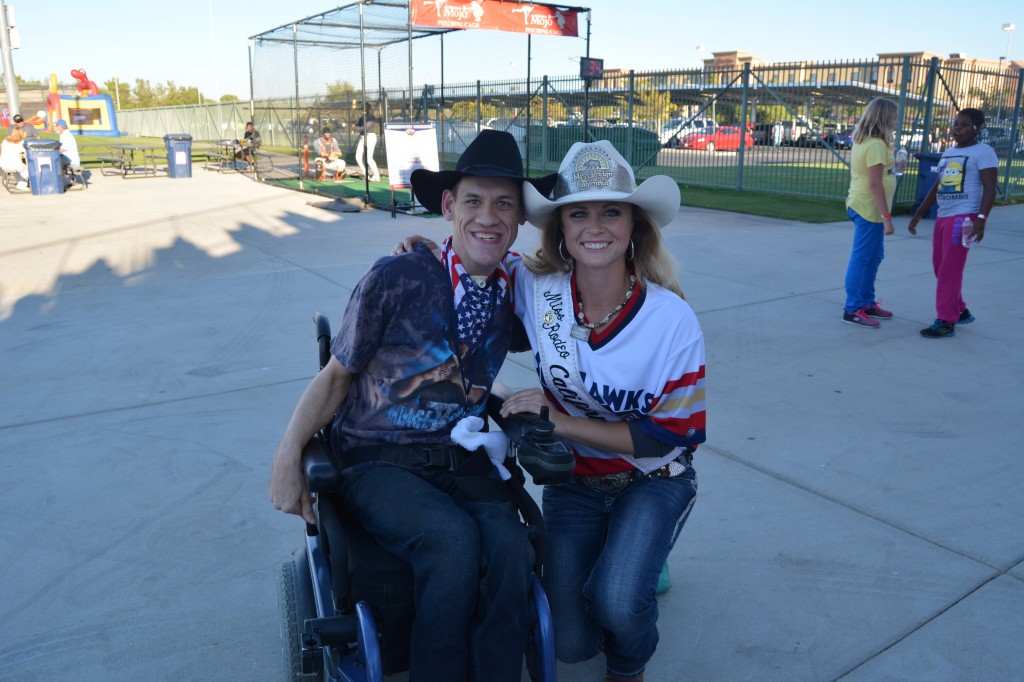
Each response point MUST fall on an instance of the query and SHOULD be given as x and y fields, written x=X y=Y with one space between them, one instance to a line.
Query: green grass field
x=772 y=190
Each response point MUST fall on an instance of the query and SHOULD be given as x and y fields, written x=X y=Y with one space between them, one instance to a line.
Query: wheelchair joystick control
x=548 y=460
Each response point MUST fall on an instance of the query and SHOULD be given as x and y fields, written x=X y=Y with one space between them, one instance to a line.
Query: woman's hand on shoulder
x=408 y=244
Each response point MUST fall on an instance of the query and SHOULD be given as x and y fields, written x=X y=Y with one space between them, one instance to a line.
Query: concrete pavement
x=861 y=492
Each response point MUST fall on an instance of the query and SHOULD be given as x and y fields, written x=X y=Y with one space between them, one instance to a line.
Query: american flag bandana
x=474 y=306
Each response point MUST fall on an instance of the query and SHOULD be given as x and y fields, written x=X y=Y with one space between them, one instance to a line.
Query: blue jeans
x=867 y=255
x=471 y=565
x=603 y=554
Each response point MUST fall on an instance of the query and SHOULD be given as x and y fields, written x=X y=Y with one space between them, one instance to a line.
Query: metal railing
x=816 y=105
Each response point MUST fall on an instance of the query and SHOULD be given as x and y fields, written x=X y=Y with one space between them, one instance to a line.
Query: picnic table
x=135 y=160
x=221 y=157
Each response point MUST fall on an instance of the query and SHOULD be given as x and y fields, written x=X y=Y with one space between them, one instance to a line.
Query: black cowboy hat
x=491 y=154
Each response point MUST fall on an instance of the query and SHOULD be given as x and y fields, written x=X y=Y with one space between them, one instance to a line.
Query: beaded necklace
x=580 y=317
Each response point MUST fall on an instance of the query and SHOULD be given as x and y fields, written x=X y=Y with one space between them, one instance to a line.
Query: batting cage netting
x=459 y=64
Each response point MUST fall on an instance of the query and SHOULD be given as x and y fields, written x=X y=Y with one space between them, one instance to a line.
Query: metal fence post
x=1015 y=135
x=629 y=115
x=901 y=107
x=929 y=103
x=743 y=125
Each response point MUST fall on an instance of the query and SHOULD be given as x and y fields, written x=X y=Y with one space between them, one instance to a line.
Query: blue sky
x=204 y=42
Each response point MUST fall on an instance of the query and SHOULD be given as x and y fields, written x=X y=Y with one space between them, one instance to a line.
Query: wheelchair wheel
x=295 y=600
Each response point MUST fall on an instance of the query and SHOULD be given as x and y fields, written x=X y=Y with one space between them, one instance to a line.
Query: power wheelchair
x=347 y=603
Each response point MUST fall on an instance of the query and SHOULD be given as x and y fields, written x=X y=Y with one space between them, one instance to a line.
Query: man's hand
x=287 y=486
x=912 y=227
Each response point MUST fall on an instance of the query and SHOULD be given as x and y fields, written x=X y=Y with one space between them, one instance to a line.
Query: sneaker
x=965 y=317
x=24 y=185
x=938 y=330
x=860 y=318
x=877 y=311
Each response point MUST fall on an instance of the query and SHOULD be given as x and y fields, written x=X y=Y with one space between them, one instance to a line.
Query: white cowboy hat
x=595 y=171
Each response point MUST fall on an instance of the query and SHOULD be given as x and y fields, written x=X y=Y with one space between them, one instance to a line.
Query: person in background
x=12 y=157
x=249 y=143
x=872 y=186
x=620 y=356
x=965 y=188
x=367 y=126
x=27 y=129
x=777 y=131
x=327 y=149
x=68 y=146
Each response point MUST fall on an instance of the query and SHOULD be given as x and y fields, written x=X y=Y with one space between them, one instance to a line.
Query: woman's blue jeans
x=603 y=554
x=471 y=565
x=868 y=252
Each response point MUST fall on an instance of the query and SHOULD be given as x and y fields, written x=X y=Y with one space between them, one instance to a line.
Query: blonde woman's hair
x=17 y=135
x=651 y=260
x=878 y=120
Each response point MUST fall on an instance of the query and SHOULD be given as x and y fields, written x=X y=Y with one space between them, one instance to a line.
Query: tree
x=341 y=91
x=118 y=91
x=229 y=98
x=146 y=95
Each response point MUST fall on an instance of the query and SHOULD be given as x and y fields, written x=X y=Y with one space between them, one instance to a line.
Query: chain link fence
x=781 y=128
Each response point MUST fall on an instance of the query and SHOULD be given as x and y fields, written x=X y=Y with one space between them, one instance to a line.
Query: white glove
x=467 y=433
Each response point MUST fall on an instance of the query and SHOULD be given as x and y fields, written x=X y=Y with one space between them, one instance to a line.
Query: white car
x=676 y=128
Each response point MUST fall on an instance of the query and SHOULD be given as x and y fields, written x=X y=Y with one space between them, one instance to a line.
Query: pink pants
x=948 y=259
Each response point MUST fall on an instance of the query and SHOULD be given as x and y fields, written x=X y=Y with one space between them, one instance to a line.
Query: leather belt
x=613 y=483
x=413 y=456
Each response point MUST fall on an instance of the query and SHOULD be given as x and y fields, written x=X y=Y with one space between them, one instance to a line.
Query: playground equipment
x=87 y=114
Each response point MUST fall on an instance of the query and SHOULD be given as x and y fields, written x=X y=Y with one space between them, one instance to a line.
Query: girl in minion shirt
x=965 y=188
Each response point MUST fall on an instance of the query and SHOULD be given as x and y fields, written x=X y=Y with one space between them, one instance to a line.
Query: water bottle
x=900 y=167
x=967 y=236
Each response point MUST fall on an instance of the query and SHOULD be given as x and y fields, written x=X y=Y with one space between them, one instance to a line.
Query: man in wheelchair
x=418 y=351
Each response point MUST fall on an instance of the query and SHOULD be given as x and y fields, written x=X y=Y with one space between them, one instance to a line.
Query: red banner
x=494 y=15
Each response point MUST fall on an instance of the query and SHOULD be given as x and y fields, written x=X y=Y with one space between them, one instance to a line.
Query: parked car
x=843 y=139
x=675 y=129
x=912 y=139
x=727 y=138
x=999 y=138
x=839 y=139
x=762 y=133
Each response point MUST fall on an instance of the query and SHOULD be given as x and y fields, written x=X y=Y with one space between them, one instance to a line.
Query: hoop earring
x=631 y=253
x=567 y=259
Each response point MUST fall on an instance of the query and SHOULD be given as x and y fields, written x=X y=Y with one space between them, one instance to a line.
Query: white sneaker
x=22 y=185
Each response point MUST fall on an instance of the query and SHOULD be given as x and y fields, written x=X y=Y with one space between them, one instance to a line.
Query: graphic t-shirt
x=413 y=380
x=959 y=191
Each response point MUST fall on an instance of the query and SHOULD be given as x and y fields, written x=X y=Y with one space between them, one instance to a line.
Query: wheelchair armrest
x=319 y=466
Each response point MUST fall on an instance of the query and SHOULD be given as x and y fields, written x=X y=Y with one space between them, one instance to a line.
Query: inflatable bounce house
x=87 y=112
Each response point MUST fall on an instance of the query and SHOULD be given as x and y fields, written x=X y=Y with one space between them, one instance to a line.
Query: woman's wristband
x=889 y=215
x=982 y=216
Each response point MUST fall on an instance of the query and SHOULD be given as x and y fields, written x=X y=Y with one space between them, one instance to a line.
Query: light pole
x=1004 y=60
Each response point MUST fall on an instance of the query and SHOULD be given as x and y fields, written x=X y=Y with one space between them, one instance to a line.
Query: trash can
x=927 y=172
x=44 y=167
x=179 y=155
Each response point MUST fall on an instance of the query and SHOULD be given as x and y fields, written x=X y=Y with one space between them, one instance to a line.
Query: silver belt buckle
x=610 y=483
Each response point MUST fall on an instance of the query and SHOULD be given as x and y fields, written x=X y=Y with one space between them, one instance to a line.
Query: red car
x=723 y=138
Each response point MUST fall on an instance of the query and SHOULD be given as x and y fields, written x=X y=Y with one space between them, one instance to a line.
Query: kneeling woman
x=620 y=357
